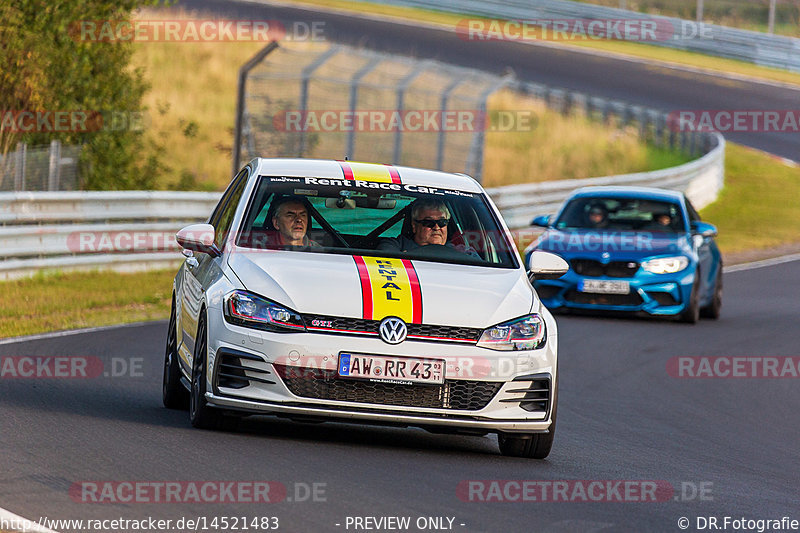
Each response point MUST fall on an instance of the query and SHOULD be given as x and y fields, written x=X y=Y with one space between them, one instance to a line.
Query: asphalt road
x=621 y=417
x=667 y=89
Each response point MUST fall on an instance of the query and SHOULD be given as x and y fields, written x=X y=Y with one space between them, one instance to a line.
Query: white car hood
x=331 y=284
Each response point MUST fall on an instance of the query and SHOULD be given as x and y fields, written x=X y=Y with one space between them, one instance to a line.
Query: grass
x=758 y=207
x=53 y=302
x=547 y=151
x=633 y=49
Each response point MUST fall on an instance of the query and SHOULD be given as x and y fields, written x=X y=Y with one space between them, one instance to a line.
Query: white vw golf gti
x=335 y=290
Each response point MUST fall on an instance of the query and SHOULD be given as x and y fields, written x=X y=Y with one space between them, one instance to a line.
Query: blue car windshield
x=621 y=214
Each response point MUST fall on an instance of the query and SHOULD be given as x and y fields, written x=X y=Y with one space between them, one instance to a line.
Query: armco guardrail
x=753 y=47
x=122 y=230
x=701 y=180
x=135 y=230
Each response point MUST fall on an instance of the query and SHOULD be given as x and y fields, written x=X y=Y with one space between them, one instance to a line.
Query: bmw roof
x=650 y=193
x=351 y=170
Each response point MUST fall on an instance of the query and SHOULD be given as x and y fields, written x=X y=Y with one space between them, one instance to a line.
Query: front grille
x=326 y=385
x=630 y=299
x=533 y=395
x=360 y=326
x=235 y=372
x=596 y=269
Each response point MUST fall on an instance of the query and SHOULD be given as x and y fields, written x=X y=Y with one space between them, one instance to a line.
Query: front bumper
x=261 y=387
x=654 y=294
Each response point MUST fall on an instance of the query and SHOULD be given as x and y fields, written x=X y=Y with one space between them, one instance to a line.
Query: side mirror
x=198 y=238
x=542 y=221
x=704 y=229
x=544 y=265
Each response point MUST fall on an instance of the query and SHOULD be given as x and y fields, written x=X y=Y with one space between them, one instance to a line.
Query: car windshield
x=372 y=218
x=621 y=214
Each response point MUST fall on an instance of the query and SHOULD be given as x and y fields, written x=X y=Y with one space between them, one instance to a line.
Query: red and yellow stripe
x=369 y=172
x=389 y=287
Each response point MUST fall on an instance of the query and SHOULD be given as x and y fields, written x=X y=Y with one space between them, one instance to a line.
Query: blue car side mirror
x=541 y=220
x=704 y=229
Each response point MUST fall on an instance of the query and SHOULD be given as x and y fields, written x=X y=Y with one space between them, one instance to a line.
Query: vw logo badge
x=393 y=330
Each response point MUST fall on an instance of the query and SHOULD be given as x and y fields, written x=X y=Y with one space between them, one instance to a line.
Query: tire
x=530 y=445
x=173 y=393
x=691 y=314
x=200 y=414
x=714 y=309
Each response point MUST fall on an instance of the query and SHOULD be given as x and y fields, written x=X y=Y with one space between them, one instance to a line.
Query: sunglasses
x=431 y=223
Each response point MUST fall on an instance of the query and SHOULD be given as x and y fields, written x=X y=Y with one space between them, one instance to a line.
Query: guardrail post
x=401 y=93
x=305 y=77
x=21 y=156
x=243 y=72
x=54 y=170
x=476 y=150
x=355 y=82
x=443 y=107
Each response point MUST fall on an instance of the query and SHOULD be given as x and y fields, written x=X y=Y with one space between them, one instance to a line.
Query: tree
x=48 y=66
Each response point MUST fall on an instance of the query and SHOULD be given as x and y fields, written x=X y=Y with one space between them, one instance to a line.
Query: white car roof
x=326 y=168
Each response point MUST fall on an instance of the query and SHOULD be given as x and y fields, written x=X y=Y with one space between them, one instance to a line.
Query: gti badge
x=393 y=330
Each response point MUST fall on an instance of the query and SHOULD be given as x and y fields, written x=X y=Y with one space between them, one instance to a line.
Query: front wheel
x=173 y=394
x=714 y=309
x=530 y=445
x=200 y=414
x=691 y=314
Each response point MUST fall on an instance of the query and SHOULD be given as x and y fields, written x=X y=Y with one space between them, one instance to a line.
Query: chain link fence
x=336 y=102
x=52 y=167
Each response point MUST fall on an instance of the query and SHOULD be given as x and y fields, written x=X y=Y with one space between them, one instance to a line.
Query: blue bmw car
x=632 y=249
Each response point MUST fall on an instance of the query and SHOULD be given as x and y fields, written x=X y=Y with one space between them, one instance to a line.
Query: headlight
x=666 y=265
x=525 y=333
x=246 y=309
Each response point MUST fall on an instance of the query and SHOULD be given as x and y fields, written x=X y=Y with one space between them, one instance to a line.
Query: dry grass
x=192 y=103
x=564 y=147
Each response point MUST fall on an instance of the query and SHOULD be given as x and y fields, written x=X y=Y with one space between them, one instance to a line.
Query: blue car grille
x=596 y=269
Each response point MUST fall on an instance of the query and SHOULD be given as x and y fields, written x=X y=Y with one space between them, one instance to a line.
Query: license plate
x=601 y=286
x=391 y=369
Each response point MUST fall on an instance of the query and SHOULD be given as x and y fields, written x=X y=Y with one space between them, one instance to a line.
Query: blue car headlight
x=524 y=333
x=243 y=308
x=665 y=265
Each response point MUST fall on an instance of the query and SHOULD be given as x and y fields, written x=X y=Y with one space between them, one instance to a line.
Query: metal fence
x=52 y=167
x=336 y=102
x=753 y=47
